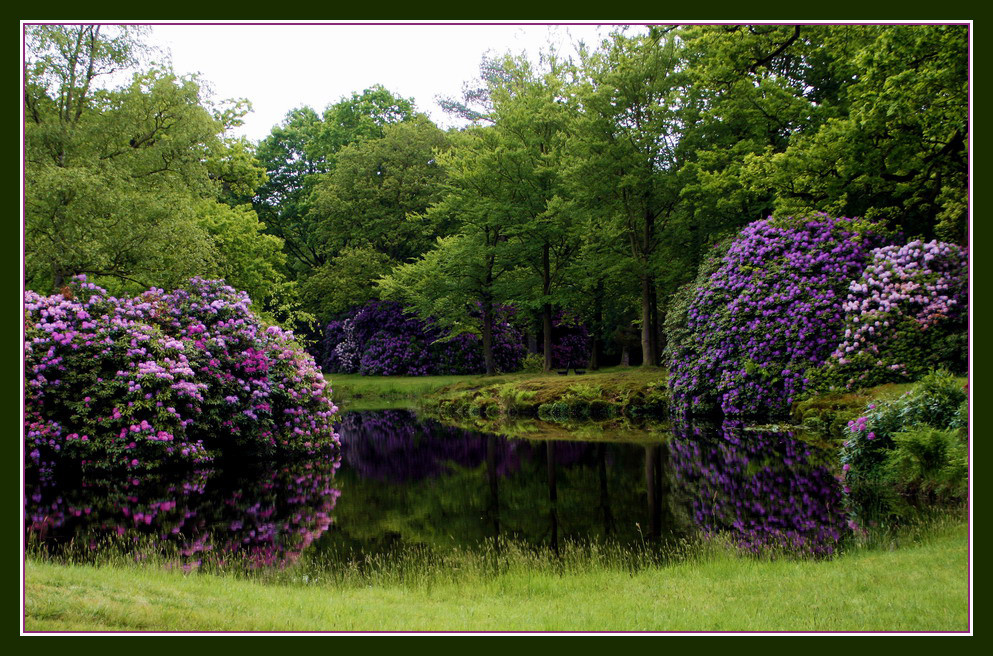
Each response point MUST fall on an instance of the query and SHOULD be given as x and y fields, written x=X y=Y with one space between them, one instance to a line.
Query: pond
x=407 y=482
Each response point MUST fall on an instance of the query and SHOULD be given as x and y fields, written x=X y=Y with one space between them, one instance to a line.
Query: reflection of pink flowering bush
x=770 y=311
x=165 y=378
x=255 y=517
x=905 y=315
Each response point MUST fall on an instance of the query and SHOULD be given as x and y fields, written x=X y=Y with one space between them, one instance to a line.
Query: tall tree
x=303 y=148
x=379 y=190
x=623 y=156
x=521 y=155
x=900 y=150
x=114 y=177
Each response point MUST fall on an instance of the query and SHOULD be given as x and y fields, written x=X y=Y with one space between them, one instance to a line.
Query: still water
x=403 y=481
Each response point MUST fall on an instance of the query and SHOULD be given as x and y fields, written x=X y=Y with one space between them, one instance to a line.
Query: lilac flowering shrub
x=770 y=310
x=908 y=451
x=163 y=379
x=382 y=339
x=906 y=314
x=463 y=353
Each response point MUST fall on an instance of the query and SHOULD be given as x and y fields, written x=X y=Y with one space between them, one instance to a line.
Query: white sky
x=282 y=67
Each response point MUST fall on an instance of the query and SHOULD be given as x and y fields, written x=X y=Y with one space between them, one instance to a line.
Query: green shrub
x=926 y=467
x=533 y=363
x=909 y=451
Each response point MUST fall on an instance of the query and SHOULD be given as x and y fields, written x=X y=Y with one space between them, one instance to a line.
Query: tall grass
x=919 y=585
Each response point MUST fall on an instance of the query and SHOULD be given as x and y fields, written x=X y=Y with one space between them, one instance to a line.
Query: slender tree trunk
x=546 y=308
x=596 y=339
x=648 y=339
x=488 y=337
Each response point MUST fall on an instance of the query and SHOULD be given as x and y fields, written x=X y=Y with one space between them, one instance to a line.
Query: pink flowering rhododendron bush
x=165 y=378
x=905 y=315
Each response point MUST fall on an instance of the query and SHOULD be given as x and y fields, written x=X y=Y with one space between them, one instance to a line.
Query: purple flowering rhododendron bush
x=161 y=379
x=905 y=315
x=570 y=341
x=381 y=338
x=771 y=310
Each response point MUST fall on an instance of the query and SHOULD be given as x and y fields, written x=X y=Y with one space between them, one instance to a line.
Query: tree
x=379 y=191
x=520 y=157
x=292 y=161
x=623 y=157
x=900 y=149
x=305 y=147
x=345 y=281
x=116 y=178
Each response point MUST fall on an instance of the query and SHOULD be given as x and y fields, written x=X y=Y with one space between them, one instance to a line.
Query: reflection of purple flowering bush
x=905 y=315
x=770 y=311
x=164 y=378
x=381 y=338
x=766 y=489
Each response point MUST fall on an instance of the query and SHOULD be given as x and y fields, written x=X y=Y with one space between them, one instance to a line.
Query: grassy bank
x=919 y=586
x=354 y=387
x=608 y=393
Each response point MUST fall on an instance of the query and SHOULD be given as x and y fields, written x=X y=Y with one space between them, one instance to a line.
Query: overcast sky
x=282 y=67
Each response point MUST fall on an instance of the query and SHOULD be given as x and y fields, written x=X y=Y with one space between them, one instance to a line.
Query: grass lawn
x=551 y=385
x=919 y=586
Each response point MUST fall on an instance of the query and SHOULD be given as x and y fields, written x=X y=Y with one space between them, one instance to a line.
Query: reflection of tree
x=766 y=489
x=391 y=445
x=260 y=518
x=416 y=481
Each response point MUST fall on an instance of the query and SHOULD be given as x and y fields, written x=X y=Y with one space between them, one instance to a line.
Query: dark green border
x=779 y=11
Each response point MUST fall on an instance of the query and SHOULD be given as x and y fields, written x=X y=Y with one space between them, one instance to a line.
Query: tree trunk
x=546 y=343
x=488 y=337
x=596 y=338
x=648 y=339
x=546 y=308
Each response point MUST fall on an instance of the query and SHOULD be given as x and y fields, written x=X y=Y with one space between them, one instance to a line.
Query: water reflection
x=766 y=489
x=405 y=481
x=256 y=517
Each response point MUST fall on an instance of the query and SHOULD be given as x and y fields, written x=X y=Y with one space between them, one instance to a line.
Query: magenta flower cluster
x=162 y=379
x=570 y=341
x=771 y=310
x=906 y=314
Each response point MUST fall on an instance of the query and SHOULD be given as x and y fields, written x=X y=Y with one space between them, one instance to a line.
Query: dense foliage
x=165 y=378
x=909 y=452
x=592 y=184
x=905 y=315
x=770 y=311
x=382 y=338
